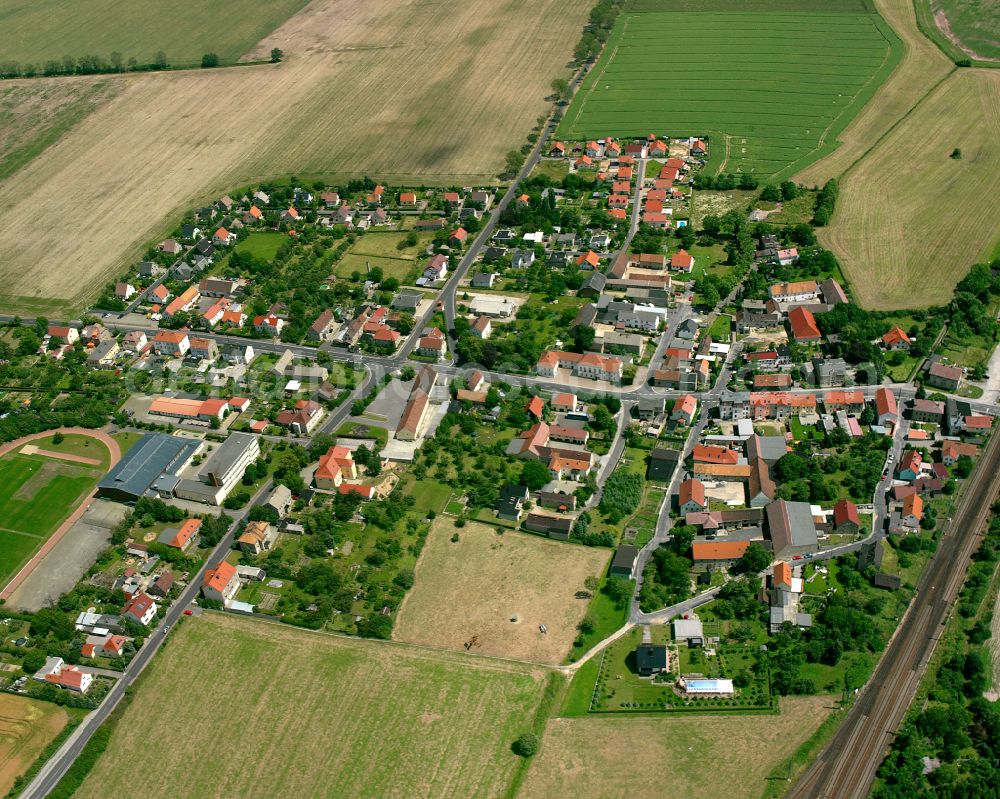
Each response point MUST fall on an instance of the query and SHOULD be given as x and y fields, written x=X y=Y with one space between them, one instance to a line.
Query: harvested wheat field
x=26 y=728
x=911 y=219
x=475 y=586
x=612 y=757
x=420 y=90
x=275 y=711
x=922 y=67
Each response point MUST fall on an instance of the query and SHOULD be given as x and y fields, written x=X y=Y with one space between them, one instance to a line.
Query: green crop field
x=769 y=84
x=36 y=495
x=285 y=712
x=36 y=31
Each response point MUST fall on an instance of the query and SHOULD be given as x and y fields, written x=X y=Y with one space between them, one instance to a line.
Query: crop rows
x=779 y=85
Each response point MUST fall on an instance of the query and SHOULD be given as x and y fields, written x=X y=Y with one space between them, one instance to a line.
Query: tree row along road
x=846 y=768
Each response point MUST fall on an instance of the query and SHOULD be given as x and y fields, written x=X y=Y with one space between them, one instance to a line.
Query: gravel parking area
x=69 y=559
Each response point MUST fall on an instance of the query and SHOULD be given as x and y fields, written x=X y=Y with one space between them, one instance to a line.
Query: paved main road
x=55 y=768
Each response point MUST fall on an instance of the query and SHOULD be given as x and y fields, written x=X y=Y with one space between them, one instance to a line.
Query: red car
x=797 y=557
x=189 y=612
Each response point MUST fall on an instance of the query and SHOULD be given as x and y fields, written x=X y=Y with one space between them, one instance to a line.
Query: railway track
x=846 y=767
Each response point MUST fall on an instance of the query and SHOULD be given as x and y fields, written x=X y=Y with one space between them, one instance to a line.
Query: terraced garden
x=771 y=89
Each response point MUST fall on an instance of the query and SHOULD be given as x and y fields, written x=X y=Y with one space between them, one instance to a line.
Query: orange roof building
x=803 y=324
x=721 y=551
x=706 y=453
x=221 y=582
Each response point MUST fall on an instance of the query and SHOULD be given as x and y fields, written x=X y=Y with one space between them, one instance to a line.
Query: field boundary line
x=897 y=123
x=428 y=648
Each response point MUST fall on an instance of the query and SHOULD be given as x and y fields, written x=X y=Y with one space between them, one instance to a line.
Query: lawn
x=701 y=757
x=717 y=203
x=262 y=244
x=39 y=30
x=619 y=688
x=328 y=716
x=969 y=350
x=399 y=268
x=906 y=244
x=26 y=728
x=126 y=440
x=475 y=586
x=36 y=495
x=76 y=444
x=606 y=616
x=555 y=169
x=794 y=212
x=770 y=88
x=390 y=244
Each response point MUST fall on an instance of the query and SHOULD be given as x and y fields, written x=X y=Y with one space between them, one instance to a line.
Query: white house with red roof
x=269 y=324
x=682 y=261
x=57 y=672
x=223 y=236
x=590 y=365
x=437 y=267
x=896 y=339
x=221 y=582
x=141 y=608
x=432 y=344
x=68 y=335
x=171 y=342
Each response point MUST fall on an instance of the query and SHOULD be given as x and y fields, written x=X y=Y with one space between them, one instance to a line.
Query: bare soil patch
x=697 y=757
x=475 y=586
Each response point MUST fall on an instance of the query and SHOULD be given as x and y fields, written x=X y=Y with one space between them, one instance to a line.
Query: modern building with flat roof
x=222 y=470
x=154 y=460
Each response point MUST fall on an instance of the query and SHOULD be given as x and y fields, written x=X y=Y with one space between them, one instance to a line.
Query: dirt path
x=31 y=449
x=116 y=455
x=994 y=649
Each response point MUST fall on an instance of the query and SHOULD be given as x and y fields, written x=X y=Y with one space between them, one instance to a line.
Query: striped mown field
x=771 y=89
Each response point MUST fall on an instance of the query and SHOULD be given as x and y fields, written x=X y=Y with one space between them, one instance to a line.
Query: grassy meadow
x=36 y=31
x=770 y=88
x=281 y=711
x=699 y=757
x=963 y=28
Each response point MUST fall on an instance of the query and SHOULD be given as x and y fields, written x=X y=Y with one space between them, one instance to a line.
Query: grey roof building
x=662 y=463
x=152 y=457
x=791 y=526
x=650 y=659
x=407 y=300
x=770 y=448
x=623 y=563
